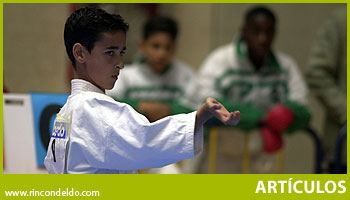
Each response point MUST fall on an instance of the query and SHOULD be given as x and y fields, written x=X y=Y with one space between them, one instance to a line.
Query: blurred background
x=35 y=59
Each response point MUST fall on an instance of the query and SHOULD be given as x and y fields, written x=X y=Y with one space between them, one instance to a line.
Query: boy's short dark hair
x=160 y=24
x=85 y=26
x=260 y=10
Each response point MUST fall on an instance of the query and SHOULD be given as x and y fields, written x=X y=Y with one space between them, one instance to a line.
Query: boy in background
x=95 y=134
x=249 y=75
x=155 y=84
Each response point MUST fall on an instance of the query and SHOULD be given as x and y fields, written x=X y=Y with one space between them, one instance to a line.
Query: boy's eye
x=110 y=53
x=122 y=53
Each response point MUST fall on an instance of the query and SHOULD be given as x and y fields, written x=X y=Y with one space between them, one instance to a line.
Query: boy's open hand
x=220 y=112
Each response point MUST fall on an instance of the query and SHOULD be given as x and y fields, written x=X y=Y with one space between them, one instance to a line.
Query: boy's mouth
x=115 y=76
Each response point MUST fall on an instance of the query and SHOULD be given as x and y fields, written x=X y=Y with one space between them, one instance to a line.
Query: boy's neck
x=81 y=74
x=257 y=61
x=159 y=70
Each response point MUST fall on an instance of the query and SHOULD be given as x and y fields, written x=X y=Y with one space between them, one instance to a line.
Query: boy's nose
x=262 y=38
x=164 y=52
x=120 y=64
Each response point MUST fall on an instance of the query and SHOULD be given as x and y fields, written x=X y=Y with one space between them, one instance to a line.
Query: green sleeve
x=302 y=116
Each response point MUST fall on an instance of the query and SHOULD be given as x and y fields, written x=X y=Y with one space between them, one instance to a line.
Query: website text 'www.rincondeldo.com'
x=49 y=193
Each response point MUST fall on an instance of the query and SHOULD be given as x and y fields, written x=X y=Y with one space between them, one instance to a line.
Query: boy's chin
x=110 y=85
x=160 y=67
x=109 y=88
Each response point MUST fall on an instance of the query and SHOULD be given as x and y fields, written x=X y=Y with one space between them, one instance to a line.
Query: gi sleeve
x=129 y=142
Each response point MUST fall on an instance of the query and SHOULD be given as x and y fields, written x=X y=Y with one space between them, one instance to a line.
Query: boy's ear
x=78 y=52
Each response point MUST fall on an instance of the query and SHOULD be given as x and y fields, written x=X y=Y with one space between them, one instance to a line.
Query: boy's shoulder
x=225 y=49
x=221 y=57
x=180 y=67
x=94 y=105
x=94 y=99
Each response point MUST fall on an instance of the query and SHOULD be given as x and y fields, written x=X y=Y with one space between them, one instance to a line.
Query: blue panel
x=45 y=108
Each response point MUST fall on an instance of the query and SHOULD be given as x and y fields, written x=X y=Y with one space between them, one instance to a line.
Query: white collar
x=80 y=85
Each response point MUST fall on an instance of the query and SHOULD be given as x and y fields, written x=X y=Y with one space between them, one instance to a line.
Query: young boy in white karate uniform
x=95 y=134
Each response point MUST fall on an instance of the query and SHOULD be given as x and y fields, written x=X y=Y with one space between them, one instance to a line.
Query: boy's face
x=158 y=50
x=103 y=64
x=258 y=34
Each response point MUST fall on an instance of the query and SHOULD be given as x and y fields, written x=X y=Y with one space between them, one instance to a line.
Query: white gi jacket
x=95 y=134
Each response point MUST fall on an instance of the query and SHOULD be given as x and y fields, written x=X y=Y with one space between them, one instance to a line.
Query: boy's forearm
x=202 y=116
